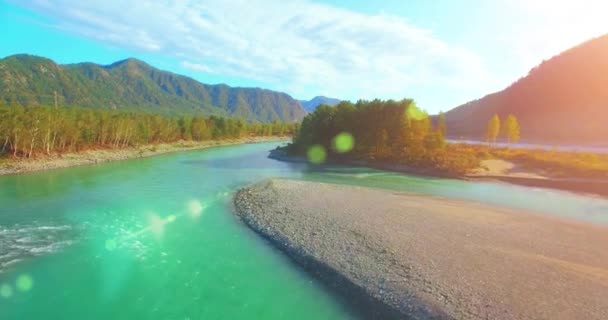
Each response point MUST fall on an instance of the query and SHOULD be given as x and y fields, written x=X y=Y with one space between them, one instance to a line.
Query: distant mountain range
x=563 y=100
x=312 y=104
x=133 y=84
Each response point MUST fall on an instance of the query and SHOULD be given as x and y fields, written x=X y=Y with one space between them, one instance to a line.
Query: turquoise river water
x=154 y=238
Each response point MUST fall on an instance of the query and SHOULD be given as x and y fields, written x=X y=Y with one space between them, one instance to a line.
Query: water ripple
x=21 y=242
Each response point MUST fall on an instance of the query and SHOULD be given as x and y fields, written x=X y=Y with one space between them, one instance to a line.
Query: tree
x=511 y=129
x=4 y=130
x=200 y=130
x=434 y=141
x=27 y=132
x=391 y=131
x=493 y=129
x=382 y=150
x=442 y=128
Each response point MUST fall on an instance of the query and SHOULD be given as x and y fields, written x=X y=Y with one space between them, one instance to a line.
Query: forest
x=386 y=131
x=33 y=131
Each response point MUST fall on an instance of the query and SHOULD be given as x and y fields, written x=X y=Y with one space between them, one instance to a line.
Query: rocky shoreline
x=56 y=161
x=396 y=255
x=365 y=304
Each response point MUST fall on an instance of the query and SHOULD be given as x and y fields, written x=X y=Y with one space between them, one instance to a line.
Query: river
x=154 y=238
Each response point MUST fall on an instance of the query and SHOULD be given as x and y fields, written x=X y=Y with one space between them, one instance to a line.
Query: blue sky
x=441 y=53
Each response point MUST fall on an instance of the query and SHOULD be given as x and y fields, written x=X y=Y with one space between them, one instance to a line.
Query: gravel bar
x=398 y=255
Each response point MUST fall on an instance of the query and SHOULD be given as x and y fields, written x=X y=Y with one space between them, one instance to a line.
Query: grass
x=454 y=159
x=557 y=164
x=552 y=163
x=462 y=158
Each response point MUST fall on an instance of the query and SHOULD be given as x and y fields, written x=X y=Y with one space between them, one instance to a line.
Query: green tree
x=434 y=141
x=391 y=131
x=26 y=132
x=493 y=129
x=511 y=129
x=382 y=149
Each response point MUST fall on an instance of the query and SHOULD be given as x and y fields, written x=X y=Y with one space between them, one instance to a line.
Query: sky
x=442 y=53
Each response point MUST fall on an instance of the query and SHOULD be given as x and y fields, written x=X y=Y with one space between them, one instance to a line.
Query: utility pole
x=55 y=94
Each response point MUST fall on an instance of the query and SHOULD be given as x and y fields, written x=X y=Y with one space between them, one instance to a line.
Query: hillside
x=132 y=84
x=562 y=101
x=312 y=104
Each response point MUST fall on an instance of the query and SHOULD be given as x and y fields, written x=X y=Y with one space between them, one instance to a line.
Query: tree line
x=389 y=131
x=27 y=132
x=386 y=131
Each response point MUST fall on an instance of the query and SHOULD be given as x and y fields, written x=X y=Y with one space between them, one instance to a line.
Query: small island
x=399 y=136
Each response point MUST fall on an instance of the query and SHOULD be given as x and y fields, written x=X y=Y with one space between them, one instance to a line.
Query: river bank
x=510 y=172
x=56 y=161
x=398 y=255
x=490 y=170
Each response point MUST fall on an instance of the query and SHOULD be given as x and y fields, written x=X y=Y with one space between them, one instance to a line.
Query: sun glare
x=195 y=208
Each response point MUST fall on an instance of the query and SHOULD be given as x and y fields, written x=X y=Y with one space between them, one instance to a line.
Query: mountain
x=133 y=84
x=562 y=101
x=312 y=104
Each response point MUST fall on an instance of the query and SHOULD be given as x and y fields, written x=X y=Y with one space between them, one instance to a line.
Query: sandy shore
x=398 y=255
x=497 y=167
x=506 y=171
x=15 y=166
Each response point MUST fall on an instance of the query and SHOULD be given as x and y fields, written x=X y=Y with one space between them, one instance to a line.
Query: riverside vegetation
x=376 y=132
x=42 y=131
x=380 y=131
x=399 y=133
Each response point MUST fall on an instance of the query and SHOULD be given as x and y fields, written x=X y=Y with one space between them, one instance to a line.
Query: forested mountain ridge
x=312 y=104
x=133 y=84
x=563 y=100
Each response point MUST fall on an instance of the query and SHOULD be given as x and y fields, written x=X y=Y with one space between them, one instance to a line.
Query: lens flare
x=24 y=283
x=6 y=291
x=343 y=142
x=195 y=208
x=316 y=154
x=156 y=225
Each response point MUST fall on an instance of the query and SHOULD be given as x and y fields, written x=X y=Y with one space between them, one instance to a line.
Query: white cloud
x=295 y=46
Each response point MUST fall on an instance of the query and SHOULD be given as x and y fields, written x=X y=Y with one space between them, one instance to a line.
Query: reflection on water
x=155 y=239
